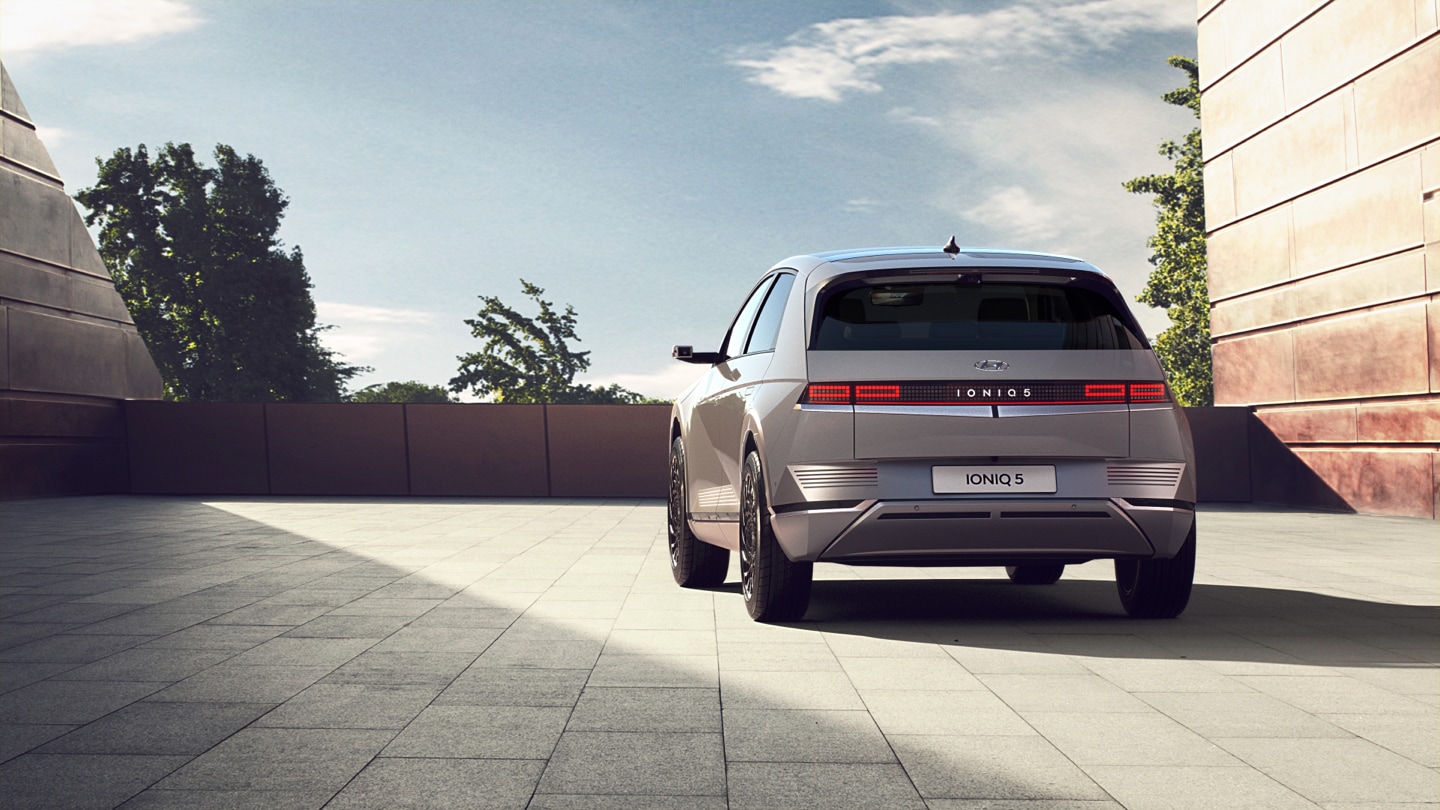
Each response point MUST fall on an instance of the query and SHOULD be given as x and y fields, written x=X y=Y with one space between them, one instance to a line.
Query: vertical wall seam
x=405 y=442
x=265 y=436
x=545 y=428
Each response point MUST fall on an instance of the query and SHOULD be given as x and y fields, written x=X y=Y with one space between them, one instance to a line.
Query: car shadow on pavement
x=1222 y=622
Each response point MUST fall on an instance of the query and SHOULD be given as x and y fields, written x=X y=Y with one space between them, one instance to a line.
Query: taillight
x=877 y=393
x=1147 y=392
x=827 y=394
x=975 y=392
x=1104 y=392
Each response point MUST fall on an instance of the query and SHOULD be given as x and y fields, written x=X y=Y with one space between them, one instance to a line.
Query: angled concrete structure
x=1322 y=199
x=69 y=353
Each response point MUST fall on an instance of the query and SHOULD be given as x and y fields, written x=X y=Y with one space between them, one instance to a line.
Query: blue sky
x=643 y=161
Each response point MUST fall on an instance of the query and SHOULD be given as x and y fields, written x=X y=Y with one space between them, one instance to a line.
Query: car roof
x=885 y=258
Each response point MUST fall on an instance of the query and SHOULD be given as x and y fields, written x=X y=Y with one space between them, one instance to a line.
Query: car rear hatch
x=1043 y=365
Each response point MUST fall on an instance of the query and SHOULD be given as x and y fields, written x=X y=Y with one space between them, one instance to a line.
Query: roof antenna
x=951 y=248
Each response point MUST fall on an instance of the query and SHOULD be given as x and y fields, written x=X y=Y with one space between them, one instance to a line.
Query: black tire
x=775 y=589
x=1157 y=589
x=694 y=562
x=1034 y=574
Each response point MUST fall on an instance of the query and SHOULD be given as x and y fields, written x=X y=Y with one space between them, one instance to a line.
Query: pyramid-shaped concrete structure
x=69 y=353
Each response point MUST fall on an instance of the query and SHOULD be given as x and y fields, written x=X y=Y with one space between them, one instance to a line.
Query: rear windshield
x=969 y=316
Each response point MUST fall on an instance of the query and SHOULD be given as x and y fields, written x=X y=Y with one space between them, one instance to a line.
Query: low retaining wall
x=383 y=449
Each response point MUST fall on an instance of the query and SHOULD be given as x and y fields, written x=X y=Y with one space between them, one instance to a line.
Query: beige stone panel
x=1219 y=191
x=1254 y=370
x=1251 y=312
x=1432 y=316
x=1367 y=214
x=1324 y=424
x=1427 y=17
x=1202 y=7
x=1377 y=482
x=1210 y=48
x=1246 y=100
x=1295 y=155
x=1398 y=105
x=1411 y=421
x=1430 y=216
x=1339 y=42
x=1379 y=352
x=1253 y=24
x=1432 y=266
x=1430 y=167
x=1383 y=281
x=1252 y=253
x=1352 y=137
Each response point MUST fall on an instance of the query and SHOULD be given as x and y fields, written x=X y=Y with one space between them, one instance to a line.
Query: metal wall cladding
x=476 y=450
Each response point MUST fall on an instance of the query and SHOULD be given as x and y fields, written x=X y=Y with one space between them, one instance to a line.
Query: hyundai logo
x=992 y=365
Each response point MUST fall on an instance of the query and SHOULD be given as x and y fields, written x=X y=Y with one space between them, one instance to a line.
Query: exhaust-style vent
x=1144 y=475
x=818 y=477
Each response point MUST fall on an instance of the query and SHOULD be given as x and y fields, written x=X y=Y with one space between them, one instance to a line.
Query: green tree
x=527 y=359
x=414 y=392
x=225 y=311
x=1178 y=282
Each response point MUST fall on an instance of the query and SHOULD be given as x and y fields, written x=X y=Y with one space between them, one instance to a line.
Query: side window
x=767 y=323
x=740 y=329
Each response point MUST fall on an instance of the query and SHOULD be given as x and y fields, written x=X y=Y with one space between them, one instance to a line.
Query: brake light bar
x=1104 y=392
x=825 y=394
x=1148 y=392
x=877 y=393
x=970 y=392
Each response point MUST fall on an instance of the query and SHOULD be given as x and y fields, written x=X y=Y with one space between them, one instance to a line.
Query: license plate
x=991 y=480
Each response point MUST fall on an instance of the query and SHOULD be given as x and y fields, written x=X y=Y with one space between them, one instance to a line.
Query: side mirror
x=687 y=354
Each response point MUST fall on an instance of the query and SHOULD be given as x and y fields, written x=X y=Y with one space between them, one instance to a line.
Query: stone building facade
x=69 y=353
x=1321 y=123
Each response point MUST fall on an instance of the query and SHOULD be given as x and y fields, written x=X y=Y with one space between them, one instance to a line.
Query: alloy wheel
x=749 y=535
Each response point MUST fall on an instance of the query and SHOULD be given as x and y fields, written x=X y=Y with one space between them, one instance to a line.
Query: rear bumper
x=982 y=532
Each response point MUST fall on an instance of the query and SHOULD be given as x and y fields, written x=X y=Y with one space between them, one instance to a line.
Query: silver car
x=931 y=407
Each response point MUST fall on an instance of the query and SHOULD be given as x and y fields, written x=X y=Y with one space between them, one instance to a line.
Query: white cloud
x=1013 y=210
x=334 y=312
x=829 y=59
x=32 y=26
x=862 y=205
x=51 y=136
x=368 y=335
x=667 y=383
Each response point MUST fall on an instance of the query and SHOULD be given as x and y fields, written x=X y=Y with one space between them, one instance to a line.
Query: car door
x=714 y=463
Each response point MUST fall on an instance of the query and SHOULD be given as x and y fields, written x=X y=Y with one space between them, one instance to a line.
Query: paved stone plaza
x=238 y=653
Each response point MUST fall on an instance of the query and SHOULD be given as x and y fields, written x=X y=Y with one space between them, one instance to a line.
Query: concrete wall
x=422 y=450
x=1322 y=199
x=68 y=349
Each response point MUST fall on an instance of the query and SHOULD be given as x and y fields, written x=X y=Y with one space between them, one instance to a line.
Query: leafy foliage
x=527 y=359
x=411 y=392
x=1178 y=282
x=226 y=313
